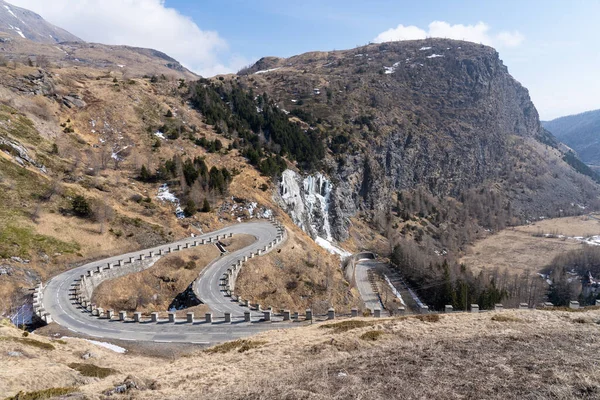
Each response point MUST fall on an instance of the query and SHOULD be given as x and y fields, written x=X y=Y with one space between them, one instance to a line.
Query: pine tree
x=145 y=175
x=205 y=206
x=190 y=208
x=81 y=207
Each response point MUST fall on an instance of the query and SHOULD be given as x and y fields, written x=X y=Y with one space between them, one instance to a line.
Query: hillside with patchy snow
x=19 y=22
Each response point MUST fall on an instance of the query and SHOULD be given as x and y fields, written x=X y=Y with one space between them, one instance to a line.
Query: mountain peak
x=18 y=22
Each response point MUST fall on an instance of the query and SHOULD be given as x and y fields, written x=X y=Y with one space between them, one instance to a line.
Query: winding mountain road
x=59 y=302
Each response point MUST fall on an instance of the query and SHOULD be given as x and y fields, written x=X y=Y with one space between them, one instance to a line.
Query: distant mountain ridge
x=25 y=35
x=19 y=22
x=581 y=132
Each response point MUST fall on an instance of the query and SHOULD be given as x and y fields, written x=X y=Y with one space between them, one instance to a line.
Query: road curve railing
x=81 y=281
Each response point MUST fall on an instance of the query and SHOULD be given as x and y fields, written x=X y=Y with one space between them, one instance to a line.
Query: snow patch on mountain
x=264 y=71
x=164 y=194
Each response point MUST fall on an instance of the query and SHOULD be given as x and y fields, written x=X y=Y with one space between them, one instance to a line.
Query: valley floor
x=530 y=247
x=511 y=354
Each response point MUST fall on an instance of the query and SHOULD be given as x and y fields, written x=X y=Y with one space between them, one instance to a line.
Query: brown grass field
x=523 y=355
x=297 y=276
x=517 y=249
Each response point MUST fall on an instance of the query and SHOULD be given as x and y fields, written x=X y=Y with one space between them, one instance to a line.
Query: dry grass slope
x=508 y=355
x=296 y=276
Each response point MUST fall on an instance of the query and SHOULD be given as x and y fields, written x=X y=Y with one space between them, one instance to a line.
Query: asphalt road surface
x=369 y=297
x=58 y=301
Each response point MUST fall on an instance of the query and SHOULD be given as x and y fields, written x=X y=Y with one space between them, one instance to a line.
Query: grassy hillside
x=513 y=354
x=74 y=142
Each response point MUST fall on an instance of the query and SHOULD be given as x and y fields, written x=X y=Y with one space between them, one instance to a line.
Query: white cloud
x=141 y=23
x=510 y=39
x=478 y=33
x=401 y=32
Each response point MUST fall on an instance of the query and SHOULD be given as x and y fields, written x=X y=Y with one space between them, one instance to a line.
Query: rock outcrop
x=442 y=116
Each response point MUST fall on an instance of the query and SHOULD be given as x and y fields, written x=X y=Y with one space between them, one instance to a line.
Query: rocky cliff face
x=438 y=115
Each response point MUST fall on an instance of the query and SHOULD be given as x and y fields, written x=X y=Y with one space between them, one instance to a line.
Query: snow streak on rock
x=307 y=202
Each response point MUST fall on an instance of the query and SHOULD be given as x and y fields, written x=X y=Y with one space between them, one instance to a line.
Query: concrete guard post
x=190 y=317
x=424 y=310
x=354 y=313
x=308 y=314
x=208 y=317
x=154 y=317
x=137 y=317
x=401 y=310
x=267 y=315
x=172 y=317
x=377 y=313
x=122 y=315
x=247 y=316
x=296 y=316
x=498 y=307
x=448 y=308
x=474 y=308
x=286 y=315
x=227 y=317
x=574 y=305
x=331 y=313
x=523 y=306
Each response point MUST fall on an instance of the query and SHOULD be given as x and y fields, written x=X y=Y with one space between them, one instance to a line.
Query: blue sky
x=551 y=47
